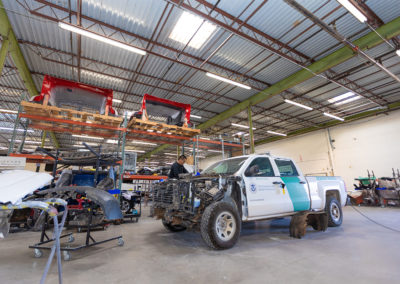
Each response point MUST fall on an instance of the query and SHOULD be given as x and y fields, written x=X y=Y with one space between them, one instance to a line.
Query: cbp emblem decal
x=253 y=188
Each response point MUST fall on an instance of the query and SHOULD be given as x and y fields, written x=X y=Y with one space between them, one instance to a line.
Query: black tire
x=334 y=211
x=220 y=238
x=173 y=228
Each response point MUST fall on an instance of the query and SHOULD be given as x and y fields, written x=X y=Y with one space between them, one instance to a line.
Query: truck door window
x=264 y=166
x=286 y=168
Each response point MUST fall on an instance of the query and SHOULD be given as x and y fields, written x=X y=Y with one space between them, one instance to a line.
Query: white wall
x=372 y=143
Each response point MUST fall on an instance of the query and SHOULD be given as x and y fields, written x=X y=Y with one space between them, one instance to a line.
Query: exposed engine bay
x=182 y=202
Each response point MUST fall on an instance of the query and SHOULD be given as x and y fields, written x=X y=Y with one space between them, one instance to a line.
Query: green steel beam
x=7 y=33
x=368 y=41
x=15 y=52
x=390 y=107
x=251 y=130
x=3 y=53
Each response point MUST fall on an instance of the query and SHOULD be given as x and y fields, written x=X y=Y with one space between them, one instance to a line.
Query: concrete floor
x=358 y=252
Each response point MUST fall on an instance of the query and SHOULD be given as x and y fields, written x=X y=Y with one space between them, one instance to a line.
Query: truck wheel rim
x=335 y=212
x=225 y=226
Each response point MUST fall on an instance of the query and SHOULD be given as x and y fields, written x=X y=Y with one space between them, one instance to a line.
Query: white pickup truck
x=248 y=188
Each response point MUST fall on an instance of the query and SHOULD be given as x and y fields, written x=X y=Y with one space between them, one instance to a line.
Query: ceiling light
x=398 y=52
x=242 y=126
x=83 y=150
x=111 y=141
x=344 y=98
x=102 y=77
x=85 y=136
x=87 y=143
x=101 y=38
x=8 y=111
x=195 y=116
x=27 y=141
x=18 y=129
x=333 y=116
x=297 y=104
x=187 y=30
x=276 y=133
x=170 y=154
x=117 y=101
x=205 y=138
x=135 y=151
x=143 y=143
x=238 y=134
x=228 y=81
x=216 y=151
x=352 y=9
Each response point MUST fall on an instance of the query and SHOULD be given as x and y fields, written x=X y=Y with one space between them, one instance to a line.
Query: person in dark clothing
x=178 y=168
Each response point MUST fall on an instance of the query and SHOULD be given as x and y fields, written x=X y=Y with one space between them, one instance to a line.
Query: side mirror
x=252 y=171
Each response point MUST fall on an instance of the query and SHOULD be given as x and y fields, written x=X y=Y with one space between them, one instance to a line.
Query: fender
x=106 y=201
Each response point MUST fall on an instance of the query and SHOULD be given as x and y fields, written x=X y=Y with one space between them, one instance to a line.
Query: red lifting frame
x=50 y=82
x=186 y=107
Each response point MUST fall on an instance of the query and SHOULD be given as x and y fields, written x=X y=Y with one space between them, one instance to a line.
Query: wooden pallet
x=70 y=114
x=158 y=127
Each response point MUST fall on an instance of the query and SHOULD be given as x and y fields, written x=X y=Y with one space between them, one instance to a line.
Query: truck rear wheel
x=173 y=228
x=334 y=210
x=220 y=225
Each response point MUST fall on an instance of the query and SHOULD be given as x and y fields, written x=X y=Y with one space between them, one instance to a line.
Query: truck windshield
x=230 y=166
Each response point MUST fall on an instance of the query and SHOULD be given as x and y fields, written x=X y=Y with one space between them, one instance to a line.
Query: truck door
x=295 y=184
x=264 y=189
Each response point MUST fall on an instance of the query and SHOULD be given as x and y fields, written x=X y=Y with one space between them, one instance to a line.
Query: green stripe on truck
x=297 y=193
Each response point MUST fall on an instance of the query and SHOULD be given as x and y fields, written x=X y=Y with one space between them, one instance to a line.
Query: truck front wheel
x=334 y=210
x=220 y=225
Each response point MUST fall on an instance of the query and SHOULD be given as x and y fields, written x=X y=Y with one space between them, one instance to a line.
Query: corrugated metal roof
x=176 y=81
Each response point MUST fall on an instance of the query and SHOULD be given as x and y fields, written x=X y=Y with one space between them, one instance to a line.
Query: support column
x=251 y=130
x=44 y=135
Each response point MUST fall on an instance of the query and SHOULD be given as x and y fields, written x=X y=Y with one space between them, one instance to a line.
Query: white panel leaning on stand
x=14 y=186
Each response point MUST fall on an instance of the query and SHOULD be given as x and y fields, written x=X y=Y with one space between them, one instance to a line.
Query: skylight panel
x=344 y=98
x=187 y=26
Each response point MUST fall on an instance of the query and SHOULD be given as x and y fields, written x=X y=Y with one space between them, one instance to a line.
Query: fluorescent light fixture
x=169 y=133
x=170 y=154
x=216 y=151
x=333 y=116
x=195 y=116
x=238 y=134
x=27 y=141
x=276 y=133
x=102 y=77
x=135 y=151
x=101 y=38
x=143 y=143
x=150 y=130
x=83 y=150
x=18 y=129
x=88 y=143
x=242 y=126
x=8 y=110
x=247 y=134
x=85 y=136
x=352 y=9
x=297 y=104
x=205 y=138
x=228 y=81
x=117 y=101
x=341 y=99
x=112 y=141
x=398 y=52
x=187 y=28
